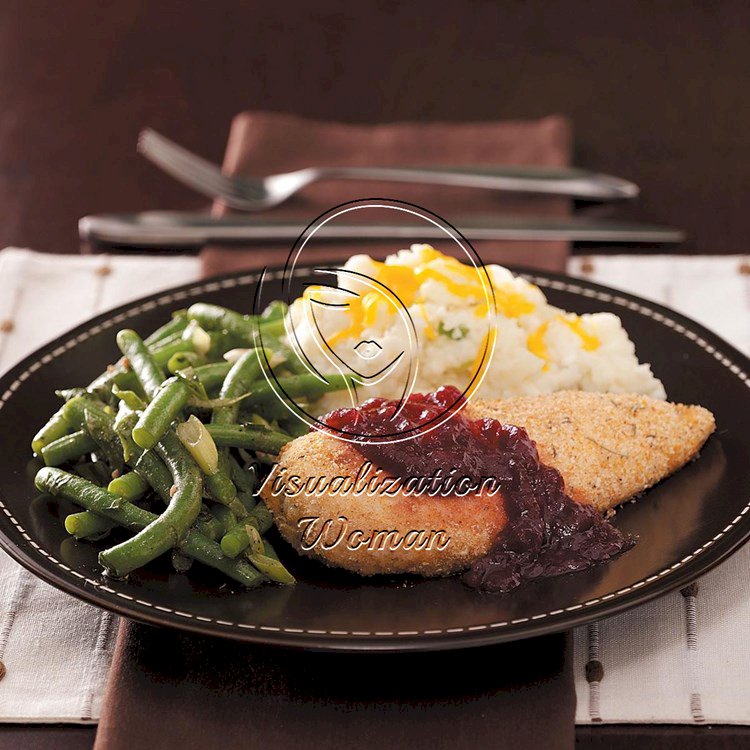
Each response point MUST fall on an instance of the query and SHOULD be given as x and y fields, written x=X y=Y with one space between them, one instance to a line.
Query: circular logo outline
x=290 y=271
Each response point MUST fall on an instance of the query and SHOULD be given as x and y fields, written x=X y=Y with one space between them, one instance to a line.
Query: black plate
x=686 y=525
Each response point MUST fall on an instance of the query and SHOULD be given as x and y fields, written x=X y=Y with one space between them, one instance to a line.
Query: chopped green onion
x=454 y=334
x=234 y=354
x=196 y=438
x=198 y=337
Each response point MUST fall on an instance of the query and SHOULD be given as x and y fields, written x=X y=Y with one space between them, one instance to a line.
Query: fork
x=258 y=193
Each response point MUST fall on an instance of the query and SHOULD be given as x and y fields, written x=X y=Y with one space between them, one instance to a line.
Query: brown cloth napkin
x=265 y=143
x=178 y=691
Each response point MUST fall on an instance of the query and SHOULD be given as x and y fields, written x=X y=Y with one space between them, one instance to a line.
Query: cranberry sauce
x=547 y=534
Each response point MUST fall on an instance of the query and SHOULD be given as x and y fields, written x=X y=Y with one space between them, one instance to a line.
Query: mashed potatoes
x=364 y=327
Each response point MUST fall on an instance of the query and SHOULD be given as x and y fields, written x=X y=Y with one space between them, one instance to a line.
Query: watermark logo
x=335 y=330
x=372 y=481
x=328 y=533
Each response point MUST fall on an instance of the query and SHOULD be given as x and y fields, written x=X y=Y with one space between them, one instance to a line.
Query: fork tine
x=155 y=147
x=232 y=188
x=202 y=181
x=150 y=142
x=190 y=169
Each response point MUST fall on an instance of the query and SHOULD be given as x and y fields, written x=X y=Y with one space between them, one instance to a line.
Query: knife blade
x=188 y=230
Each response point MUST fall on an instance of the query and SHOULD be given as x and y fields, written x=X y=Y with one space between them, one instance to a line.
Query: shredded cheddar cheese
x=406 y=283
x=536 y=344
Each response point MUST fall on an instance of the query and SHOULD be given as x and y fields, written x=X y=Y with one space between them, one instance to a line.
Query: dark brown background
x=657 y=91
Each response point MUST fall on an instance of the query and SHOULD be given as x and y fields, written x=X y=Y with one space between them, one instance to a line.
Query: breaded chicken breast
x=608 y=448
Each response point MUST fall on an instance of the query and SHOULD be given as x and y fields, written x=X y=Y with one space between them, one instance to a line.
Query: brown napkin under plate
x=176 y=691
x=261 y=144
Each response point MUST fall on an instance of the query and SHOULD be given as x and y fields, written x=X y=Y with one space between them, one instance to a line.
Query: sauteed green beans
x=163 y=450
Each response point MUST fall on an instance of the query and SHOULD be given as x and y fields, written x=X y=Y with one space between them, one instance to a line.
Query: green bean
x=221 y=488
x=212 y=376
x=271 y=410
x=245 y=480
x=141 y=438
x=149 y=374
x=222 y=342
x=266 y=402
x=67 y=448
x=240 y=327
x=95 y=471
x=271 y=328
x=235 y=541
x=88 y=525
x=294 y=426
x=66 y=394
x=131 y=486
x=215 y=318
x=100 y=427
x=247 y=499
x=124 y=422
x=75 y=410
x=117 y=375
x=225 y=517
x=239 y=381
x=124 y=377
x=62 y=484
x=153 y=470
x=272 y=568
x=214 y=522
x=166 y=404
x=250 y=437
x=169 y=348
x=291 y=361
x=169 y=529
x=183 y=360
x=101 y=385
x=208 y=524
x=209 y=553
x=145 y=463
x=261 y=517
x=274 y=310
x=238 y=539
x=309 y=387
x=57 y=426
x=175 y=325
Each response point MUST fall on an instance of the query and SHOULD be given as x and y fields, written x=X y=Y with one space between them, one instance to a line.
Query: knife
x=187 y=230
